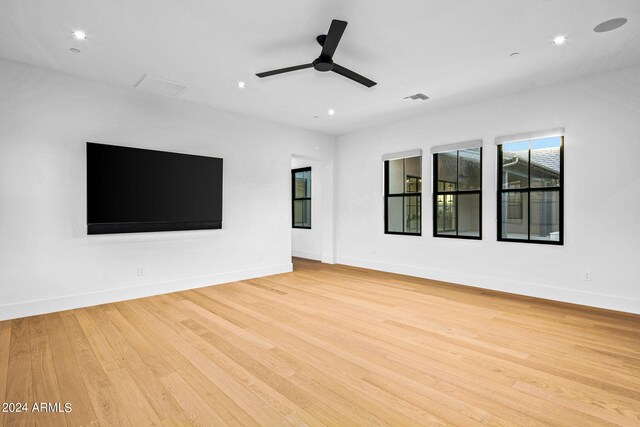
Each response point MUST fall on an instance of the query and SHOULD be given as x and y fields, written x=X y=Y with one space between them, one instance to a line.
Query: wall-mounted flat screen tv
x=133 y=190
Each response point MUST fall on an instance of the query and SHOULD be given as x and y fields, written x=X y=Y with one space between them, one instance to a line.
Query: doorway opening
x=311 y=210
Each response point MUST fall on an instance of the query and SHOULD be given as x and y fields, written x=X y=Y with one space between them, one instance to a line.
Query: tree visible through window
x=403 y=197
x=457 y=193
x=530 y=192
x=301 y=197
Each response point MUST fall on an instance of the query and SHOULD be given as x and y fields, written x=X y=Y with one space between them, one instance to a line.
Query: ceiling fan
x=324 y=62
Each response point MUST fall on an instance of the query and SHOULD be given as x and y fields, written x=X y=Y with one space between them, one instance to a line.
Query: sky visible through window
x=553 y=141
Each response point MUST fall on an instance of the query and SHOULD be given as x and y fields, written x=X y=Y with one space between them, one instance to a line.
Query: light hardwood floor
x=326 y=345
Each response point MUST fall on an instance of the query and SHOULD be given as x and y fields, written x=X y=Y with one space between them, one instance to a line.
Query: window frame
x=455 y=193
x=402 y=195
x=528 y=190
x=294 y=198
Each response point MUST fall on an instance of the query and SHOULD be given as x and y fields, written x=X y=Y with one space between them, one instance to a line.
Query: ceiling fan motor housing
x=323 y=63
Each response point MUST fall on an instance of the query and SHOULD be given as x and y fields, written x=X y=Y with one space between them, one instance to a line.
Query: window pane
x=394 y=214
x=413 y=181
x=446 y=214
x=515 y=165
x=515 y=208
x=469 y=215
x=545 y=215
x=545 y=162
x=302 y=213
x=447 y=171
x=515 y=216
x=396 y=176
x=307 y=178
x=302 y=184
x=412 y=214
x=469 y=169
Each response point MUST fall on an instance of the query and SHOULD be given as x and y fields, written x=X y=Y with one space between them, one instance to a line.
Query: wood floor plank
x=132 y=347
x=135 y=404
x=45 y=381
x=72 y=387
x=280 y=404
x=19 y=389
x=345 y=368
x=194 y=407
x=198 y=354
x=104 y=398
x=326 y=345
x=215 y=397
x=5 y=344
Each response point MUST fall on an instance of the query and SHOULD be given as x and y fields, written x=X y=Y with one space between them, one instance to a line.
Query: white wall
x=601 y=117
x=47 y=261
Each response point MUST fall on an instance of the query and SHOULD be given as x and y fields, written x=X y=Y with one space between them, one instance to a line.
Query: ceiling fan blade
x=333 y=38
x=284 y=70
x=352 y=75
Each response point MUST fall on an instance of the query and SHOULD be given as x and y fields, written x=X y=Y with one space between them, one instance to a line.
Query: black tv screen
x=132 y=190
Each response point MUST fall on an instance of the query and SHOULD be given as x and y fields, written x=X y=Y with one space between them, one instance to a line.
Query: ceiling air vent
x=160 y=86
x=420 y=96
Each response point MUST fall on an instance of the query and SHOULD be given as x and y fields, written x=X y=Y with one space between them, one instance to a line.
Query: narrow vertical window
x=530 y=190
x=403 y=196
x=457 y=193
x=301 y=197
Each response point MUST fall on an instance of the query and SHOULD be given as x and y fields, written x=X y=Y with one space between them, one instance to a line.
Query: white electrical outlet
x=141 y=271
x=587 y=275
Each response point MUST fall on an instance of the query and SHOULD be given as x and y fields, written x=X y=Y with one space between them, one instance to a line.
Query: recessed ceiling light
x=79 y=35
x=332 y=112
x=241 y=85
x=74 y=50
x=610 y=25
x=558 y=40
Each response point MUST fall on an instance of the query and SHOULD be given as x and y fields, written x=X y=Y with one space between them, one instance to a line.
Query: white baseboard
x=538 y=290
x=328 y=259
x=68 y=302
x=307 y=255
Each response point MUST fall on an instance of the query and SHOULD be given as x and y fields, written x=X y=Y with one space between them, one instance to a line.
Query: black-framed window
x=457 y=193
x=530 y=190
x=403 y=196
x=301 y=198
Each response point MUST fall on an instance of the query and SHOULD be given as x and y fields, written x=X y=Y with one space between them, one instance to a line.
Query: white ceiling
x=456 y=52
